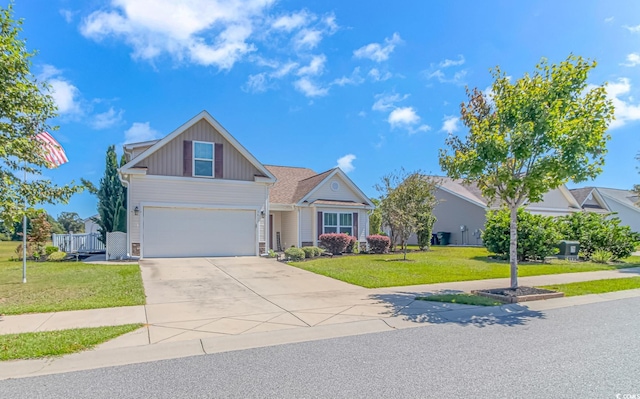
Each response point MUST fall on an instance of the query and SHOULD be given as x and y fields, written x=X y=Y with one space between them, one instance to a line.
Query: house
x=610 y=200
x=199 y=192
x=462 y=209
x=91 y=227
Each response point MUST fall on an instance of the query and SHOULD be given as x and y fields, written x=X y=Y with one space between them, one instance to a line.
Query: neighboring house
x=304 y=204
x=90 y=226
x=199 y=192
x=610 y=200
x=462 y=209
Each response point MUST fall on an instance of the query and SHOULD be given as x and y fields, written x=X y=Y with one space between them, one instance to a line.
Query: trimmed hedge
x=336 y=243
x=294 y=254
x=379 y=244
x=352 y=244
x=57 y=256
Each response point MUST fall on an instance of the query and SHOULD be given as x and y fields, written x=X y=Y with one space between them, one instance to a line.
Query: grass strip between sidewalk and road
x=596 y=286
x=40 y=344
x=461 y=299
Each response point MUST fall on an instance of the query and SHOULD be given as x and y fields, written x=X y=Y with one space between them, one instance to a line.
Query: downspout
x=125 y=183
x=267 y=229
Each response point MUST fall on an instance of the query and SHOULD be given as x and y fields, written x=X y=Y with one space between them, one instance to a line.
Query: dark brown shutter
x=355 y=224
x=319 y=224
x=187 y=158
x=219 y=161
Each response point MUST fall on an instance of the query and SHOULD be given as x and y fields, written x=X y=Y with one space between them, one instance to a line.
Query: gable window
x=338 y=223
x=203 y=159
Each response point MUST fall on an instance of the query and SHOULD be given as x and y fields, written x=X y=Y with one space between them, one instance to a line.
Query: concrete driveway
x=205 y=297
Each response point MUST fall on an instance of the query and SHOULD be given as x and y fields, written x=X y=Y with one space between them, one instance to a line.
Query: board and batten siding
x=191 y=192
x=344 y=193
x=168 y=160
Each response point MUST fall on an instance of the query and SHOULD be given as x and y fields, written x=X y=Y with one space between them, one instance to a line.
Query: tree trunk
x=513 y=245
x=404 y=247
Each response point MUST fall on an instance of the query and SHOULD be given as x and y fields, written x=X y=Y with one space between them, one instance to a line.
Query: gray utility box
x=569 y=250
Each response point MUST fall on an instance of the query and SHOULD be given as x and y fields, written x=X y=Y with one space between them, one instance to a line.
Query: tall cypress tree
x=112 y=198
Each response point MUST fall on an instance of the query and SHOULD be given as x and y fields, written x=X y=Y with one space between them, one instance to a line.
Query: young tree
x=375 y=219
x=71 y=221
x=112 y=198
x=531 y=136
x=407 y=200
x=25 y=108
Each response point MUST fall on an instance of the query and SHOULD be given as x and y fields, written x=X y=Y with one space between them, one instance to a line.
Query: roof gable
x=324 y=178
x=203 y=117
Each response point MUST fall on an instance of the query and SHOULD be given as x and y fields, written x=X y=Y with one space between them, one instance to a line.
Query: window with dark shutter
x=187 y=158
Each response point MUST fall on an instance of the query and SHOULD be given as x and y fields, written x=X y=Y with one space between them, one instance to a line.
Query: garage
x=195 y=232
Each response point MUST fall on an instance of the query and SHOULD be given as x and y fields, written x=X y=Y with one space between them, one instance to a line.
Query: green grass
x=440 y=265
x=596 y=286
x=57 y=343
x=463 y=299
x=58 y=286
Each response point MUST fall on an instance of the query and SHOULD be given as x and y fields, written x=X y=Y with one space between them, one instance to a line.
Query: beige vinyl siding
x=553 y=203
x=277 y=228
x=344 y=193
x=453 y=212
x=307 y=225
x=191 y=192
x=168 y=160
x=289 y=226
x=628 y=216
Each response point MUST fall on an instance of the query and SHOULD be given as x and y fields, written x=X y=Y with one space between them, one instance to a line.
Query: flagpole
x=24 y=235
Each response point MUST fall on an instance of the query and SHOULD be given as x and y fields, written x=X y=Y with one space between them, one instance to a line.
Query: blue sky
x=370 y=86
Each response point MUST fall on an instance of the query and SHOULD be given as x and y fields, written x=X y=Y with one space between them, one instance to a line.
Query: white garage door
x=187 y=232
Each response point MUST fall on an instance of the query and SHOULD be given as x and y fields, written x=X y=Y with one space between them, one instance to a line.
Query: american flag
x=53 y=151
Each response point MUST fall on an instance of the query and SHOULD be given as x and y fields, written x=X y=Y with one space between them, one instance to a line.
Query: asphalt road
x=590 y=351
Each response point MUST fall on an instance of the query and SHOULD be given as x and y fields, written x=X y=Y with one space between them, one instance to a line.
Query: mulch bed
x=520 y=294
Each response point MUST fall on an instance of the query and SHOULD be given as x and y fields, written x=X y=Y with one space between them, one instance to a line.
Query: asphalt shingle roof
x=293 y=183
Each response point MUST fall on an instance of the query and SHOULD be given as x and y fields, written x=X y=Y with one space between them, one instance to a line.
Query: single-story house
x=90 y=226
x=199 y=192
x=610 y=200
x=462 y=209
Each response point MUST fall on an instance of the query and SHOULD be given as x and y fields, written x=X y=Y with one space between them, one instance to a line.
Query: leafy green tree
x=530 y=136
x=25 y=108
x=112 y=198
x=375 y=219
x=407 y=199
x=71 y=221
x=425 y=229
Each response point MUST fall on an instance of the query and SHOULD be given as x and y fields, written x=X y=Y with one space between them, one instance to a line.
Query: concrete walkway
x=288 y=305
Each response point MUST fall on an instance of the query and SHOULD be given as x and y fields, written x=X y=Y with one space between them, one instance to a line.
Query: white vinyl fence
x=72 y=243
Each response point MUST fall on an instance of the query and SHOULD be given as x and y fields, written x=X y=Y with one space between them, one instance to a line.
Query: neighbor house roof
x=625 y=197
x=293 y=183
x=581 y=194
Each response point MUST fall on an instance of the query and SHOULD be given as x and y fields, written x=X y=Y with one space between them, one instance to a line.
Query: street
x=589 y=351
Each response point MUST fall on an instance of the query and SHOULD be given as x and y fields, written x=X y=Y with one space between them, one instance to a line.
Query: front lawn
x=57 y=343
x=440 y=265
x=58 y=286
x=596 y=286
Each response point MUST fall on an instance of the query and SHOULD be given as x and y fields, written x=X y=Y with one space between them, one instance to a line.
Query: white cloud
x=403 y=116
x=625 y=110
x=450 y=124
x=632 y=29
x=284 y=70
x=377 y=76
x=315 y=67
x=446 y=63
x=67 y=15
x=346 y=163
x=205 y=32
x=437 y=71
x=140 y=131
x=307 y=39
x=633 y=59
x=378 y=52
x=354 y=79
x=106 y=119
x=609 y=19
x=385 y=102
x=310 y=89
x=292 y=21
x=256 y=83
x=65 y=94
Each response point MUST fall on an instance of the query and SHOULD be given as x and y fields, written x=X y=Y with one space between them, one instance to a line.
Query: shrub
x=294 y=254
x=425 y=230
x=336 y=243
x=601 y=256
x=598 y=232
x=379 y=244
x=57 y=256
x=49 y=249
x=309 y=252
x=30 y=250
x=538 y=235
x=351 y=245
x=317 y=251
x=272 y=254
